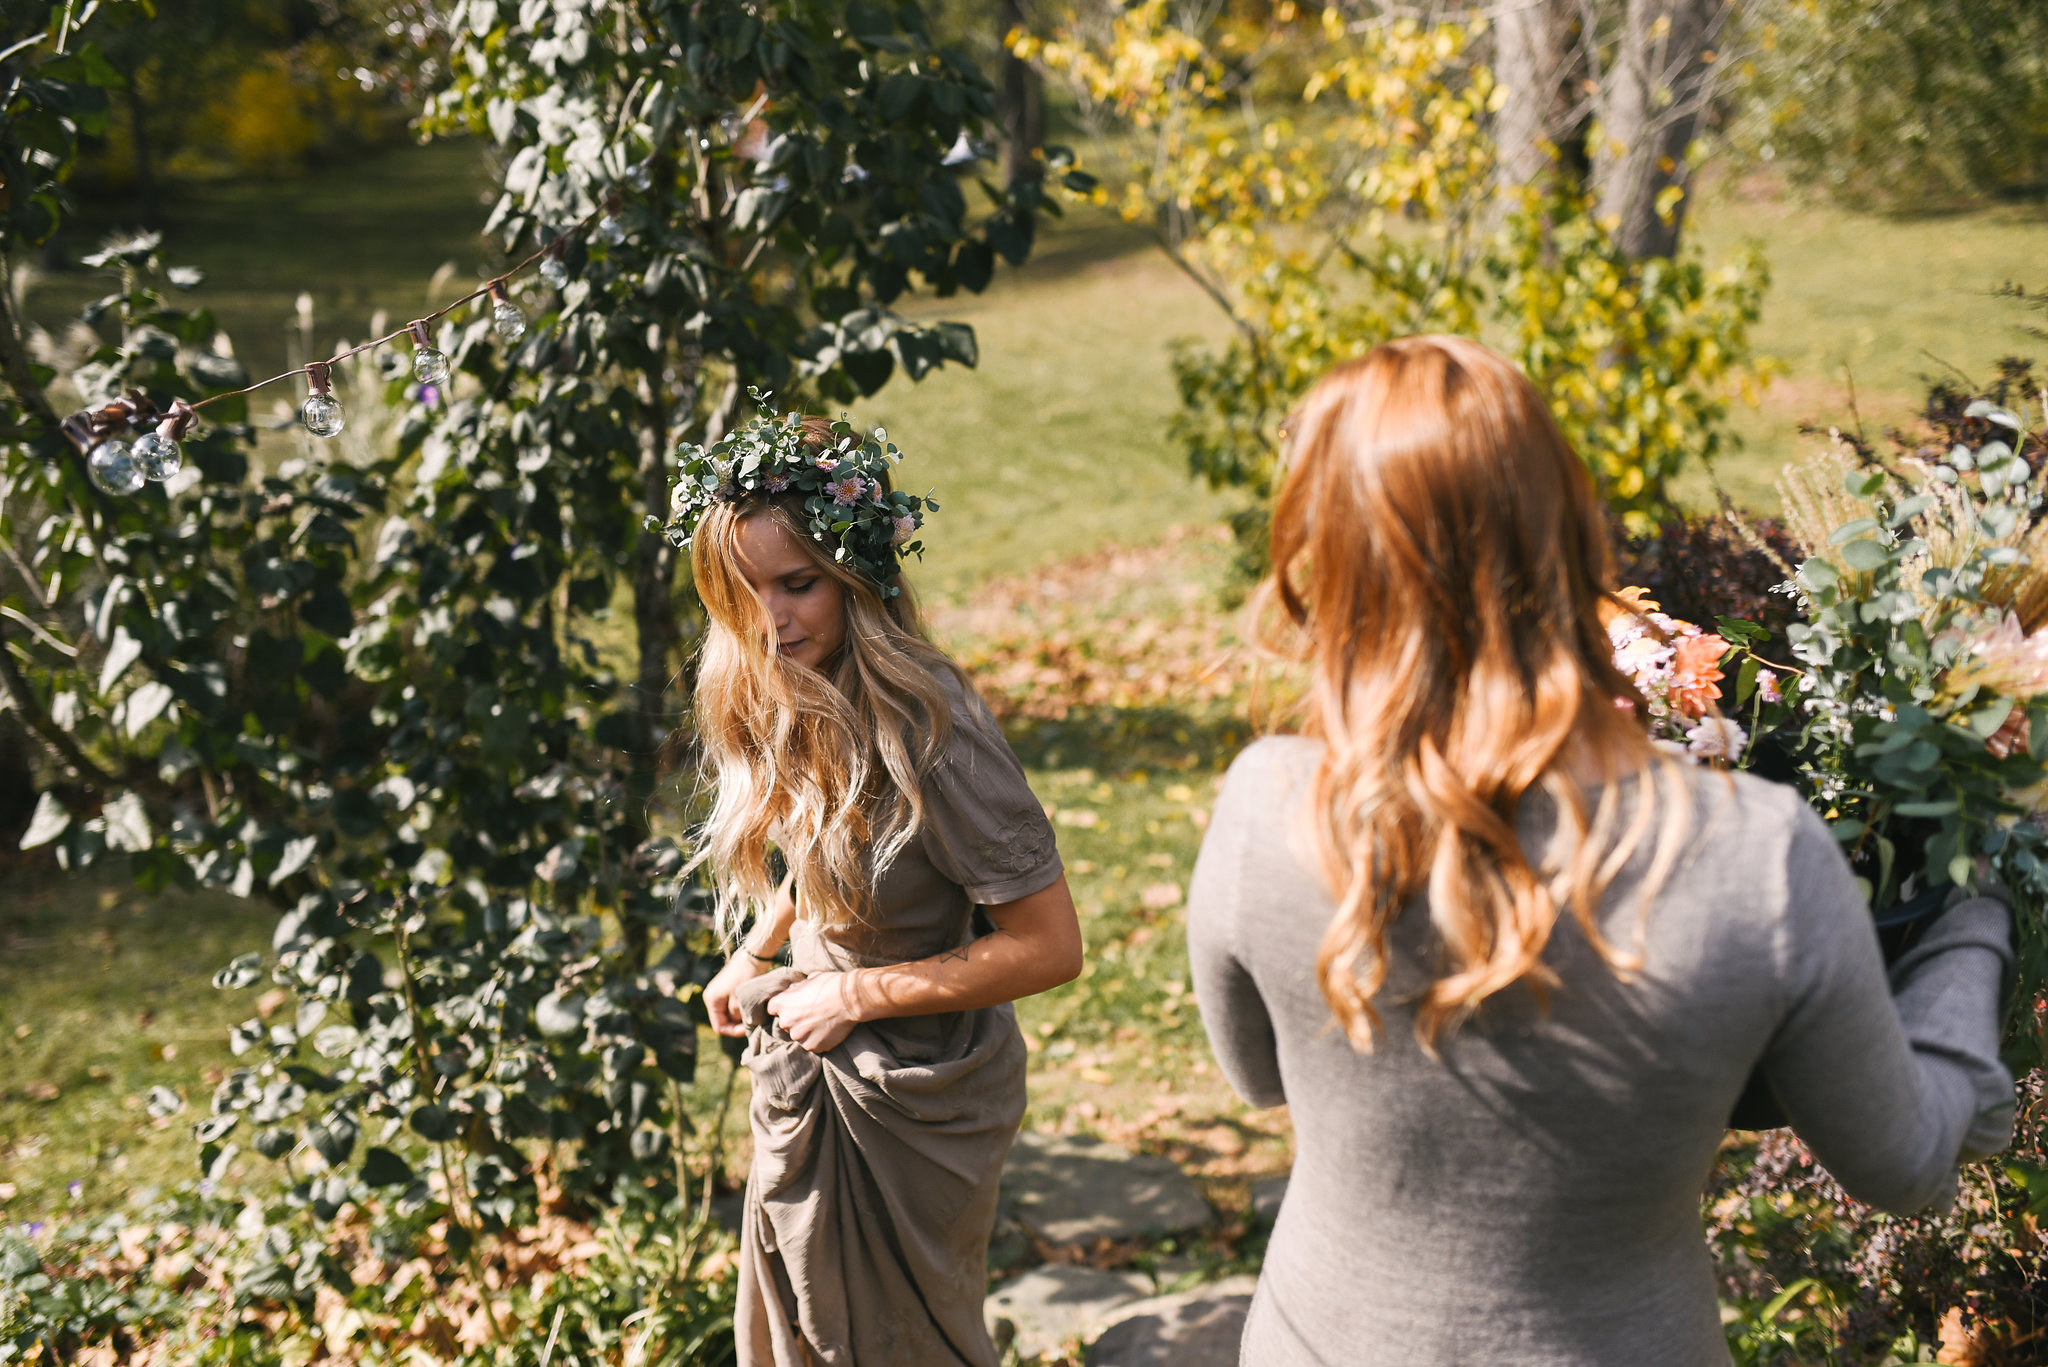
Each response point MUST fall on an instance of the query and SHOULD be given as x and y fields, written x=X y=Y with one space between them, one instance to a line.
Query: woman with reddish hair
x=1510 y=965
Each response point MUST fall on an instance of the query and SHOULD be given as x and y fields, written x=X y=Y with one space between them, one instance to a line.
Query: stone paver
x=1267 y=1194
x=1071 y=1191
x=1050 y=1305
x=1198 y=1328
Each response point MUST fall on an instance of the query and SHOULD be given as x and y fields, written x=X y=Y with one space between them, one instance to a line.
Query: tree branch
x=60 y=743
x=14 y=363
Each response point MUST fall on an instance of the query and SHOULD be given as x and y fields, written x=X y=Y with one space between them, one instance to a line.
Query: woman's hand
x=740 y=968
x=818 y=1012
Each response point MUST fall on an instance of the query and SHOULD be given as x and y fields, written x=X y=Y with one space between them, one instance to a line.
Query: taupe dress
x=873 y=1188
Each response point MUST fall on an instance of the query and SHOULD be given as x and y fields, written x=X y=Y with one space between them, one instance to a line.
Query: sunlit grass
x=1880 y=305
x=104 y=994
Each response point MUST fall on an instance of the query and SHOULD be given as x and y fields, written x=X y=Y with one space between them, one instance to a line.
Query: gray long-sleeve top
x=1532 y=1196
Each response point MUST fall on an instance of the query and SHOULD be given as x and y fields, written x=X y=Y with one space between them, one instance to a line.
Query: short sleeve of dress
x=983 y=827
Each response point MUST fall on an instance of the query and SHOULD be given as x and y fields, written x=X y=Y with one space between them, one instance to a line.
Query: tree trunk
x=1529 y=55
x=654 y=609
x=145 y=161
x=1653 y=104
x=1023 y=102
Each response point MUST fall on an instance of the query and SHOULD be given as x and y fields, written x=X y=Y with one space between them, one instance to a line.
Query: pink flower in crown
x=846 y=492
x=776 y=483
x=1767 y=685
x=906 y=527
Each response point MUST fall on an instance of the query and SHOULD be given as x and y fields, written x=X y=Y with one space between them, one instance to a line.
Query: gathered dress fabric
x=1531 y=1196
x=872 y=1195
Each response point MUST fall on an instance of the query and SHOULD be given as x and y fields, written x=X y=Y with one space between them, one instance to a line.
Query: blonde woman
x=1509 y=966
x=888 y=1071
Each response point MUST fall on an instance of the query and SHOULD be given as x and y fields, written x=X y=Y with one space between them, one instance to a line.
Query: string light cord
x=118 y=467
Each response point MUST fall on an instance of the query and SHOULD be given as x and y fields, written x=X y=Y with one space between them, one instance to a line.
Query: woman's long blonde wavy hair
x=1440 y=557
x=825 y=766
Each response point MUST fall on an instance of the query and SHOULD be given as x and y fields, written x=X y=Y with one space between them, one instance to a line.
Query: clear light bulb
x=114 y=469
x=159 y=455
x=554 y=272
x=612 y=230
x=508 y=320
x=429 y=366
x=323 y=415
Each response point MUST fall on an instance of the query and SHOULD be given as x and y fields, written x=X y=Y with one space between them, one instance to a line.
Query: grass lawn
x=1056 y=444
x=1883 y=304
x=104 y=994
x=361 y=237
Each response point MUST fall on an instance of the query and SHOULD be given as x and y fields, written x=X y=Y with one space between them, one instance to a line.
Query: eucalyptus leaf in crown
x=846 y=489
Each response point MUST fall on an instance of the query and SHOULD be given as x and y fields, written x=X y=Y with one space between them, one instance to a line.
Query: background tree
x=265 y=87
x=1330 y=182
x=1897 y=104
x=1023 y=98
x=1612 y=97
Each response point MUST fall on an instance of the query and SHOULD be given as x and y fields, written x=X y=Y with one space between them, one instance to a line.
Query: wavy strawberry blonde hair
x=825 y=766
x=1440 y=559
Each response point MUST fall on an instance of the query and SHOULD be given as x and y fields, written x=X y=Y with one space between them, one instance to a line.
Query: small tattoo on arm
x=954 y=956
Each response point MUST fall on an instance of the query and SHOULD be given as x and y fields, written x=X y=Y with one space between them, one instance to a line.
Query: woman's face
x=807 y=606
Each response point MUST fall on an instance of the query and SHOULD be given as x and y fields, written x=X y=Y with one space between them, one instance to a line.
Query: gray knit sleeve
x=1233 y=1011
x=1890 y=1083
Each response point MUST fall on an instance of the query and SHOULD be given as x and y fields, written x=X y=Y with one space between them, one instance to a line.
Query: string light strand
x=119 y=467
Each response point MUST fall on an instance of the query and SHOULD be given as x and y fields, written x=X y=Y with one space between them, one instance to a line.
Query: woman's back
x=1531 y=1195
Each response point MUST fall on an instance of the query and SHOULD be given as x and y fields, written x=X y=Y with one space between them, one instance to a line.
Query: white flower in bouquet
x=1716 y=738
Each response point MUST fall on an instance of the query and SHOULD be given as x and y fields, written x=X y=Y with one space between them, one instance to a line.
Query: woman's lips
x=786 y=646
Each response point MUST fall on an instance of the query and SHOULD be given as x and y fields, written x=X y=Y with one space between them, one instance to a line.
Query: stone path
x=1266 y=1197
x=1198 y=1328
x=1072 y=1191
x=1051 y=1305
x=1075 y=1191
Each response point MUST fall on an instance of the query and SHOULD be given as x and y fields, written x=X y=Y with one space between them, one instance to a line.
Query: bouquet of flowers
x=1677 y=669
x=1913 y=708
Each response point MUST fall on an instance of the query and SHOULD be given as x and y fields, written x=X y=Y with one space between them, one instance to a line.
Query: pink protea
x=847 y=491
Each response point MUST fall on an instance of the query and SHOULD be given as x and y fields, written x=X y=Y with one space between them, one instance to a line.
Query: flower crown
x=845 y=489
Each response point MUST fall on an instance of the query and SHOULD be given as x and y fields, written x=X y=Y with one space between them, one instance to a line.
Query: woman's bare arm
x=1036 y=946
x=751 y=959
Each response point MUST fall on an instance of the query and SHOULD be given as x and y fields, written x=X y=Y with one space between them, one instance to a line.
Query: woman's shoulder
x=1751 y=812
x=1267 y=776
x=965 y=707
x=1268 y=758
